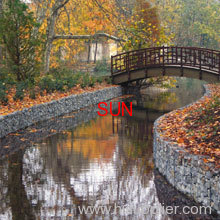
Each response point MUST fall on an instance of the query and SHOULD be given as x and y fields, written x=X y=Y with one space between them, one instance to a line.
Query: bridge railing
x=203 y=59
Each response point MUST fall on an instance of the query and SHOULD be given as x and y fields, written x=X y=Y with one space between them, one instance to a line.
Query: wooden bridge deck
x=190 y=62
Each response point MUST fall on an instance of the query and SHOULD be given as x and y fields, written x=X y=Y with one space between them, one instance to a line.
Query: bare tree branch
x=59 y=6
x=87 y=37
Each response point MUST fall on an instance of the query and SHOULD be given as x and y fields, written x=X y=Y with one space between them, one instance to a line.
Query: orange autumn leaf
x=205 y=160
x=180 y=140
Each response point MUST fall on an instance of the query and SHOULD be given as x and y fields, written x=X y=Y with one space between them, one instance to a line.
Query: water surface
x=89 y=162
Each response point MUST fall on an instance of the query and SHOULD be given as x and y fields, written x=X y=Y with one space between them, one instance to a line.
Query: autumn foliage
x=142 y=29
x=196 y=128
x=42 y=97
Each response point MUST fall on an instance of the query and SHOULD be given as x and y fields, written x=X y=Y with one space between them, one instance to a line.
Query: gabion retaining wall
x=28 y=116
x=186 y=172
x=26 y=137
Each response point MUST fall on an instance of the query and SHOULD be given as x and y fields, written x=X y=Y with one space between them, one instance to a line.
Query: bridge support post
x=146 y=73
x=164 y=71
x=181 y=71
x=200 y=74
x=200 y=65
x=112 y=70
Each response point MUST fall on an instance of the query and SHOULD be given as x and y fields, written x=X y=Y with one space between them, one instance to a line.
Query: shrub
x=60 y=82
x=63 y=79
x=59 y=85
x=6 y=77
x=77 y=76
x=20 y=90
x=85 y=80
x=92 y=82
x=70 y=83
x=3 y=94
x=47 y=83
x=108 y=80
x=71 y=80
x=61 y=72
x=102 y=68
x=32 y=94
x=100 y=79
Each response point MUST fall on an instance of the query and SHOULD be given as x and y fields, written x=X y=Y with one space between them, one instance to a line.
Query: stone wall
x=169 y=196
x=25 y=118
x=186 y=172
x=26 y=137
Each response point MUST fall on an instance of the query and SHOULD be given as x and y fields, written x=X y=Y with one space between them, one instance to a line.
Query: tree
x=63 y=19
x=192 y=23
x=198 y=24
x=143 y=28
x=58 y=4
x=79 y=23
x=137 y=22
x=16 y=28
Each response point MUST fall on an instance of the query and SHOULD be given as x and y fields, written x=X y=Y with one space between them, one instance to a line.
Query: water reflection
x=105 y=161
x=88 y=166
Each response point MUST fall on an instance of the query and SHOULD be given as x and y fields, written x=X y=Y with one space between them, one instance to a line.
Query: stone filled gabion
x=187 y=172
x=28 y=116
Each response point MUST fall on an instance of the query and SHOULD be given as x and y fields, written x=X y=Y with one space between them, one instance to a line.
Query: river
x=83 y=160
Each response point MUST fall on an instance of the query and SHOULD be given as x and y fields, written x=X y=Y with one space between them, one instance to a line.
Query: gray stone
x=22 y=119
x=186 y=172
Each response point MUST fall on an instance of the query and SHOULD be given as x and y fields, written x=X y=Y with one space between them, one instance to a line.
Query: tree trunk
x=20 y=205
x=48 y=49
x=89 y=50
x=49 y=42
x=50 y=32
x=96 y=47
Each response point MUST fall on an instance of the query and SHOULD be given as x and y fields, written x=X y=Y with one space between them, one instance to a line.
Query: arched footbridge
x=191 y=62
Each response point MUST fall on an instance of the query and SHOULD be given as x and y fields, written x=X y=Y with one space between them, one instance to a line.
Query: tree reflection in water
x=103 y=162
